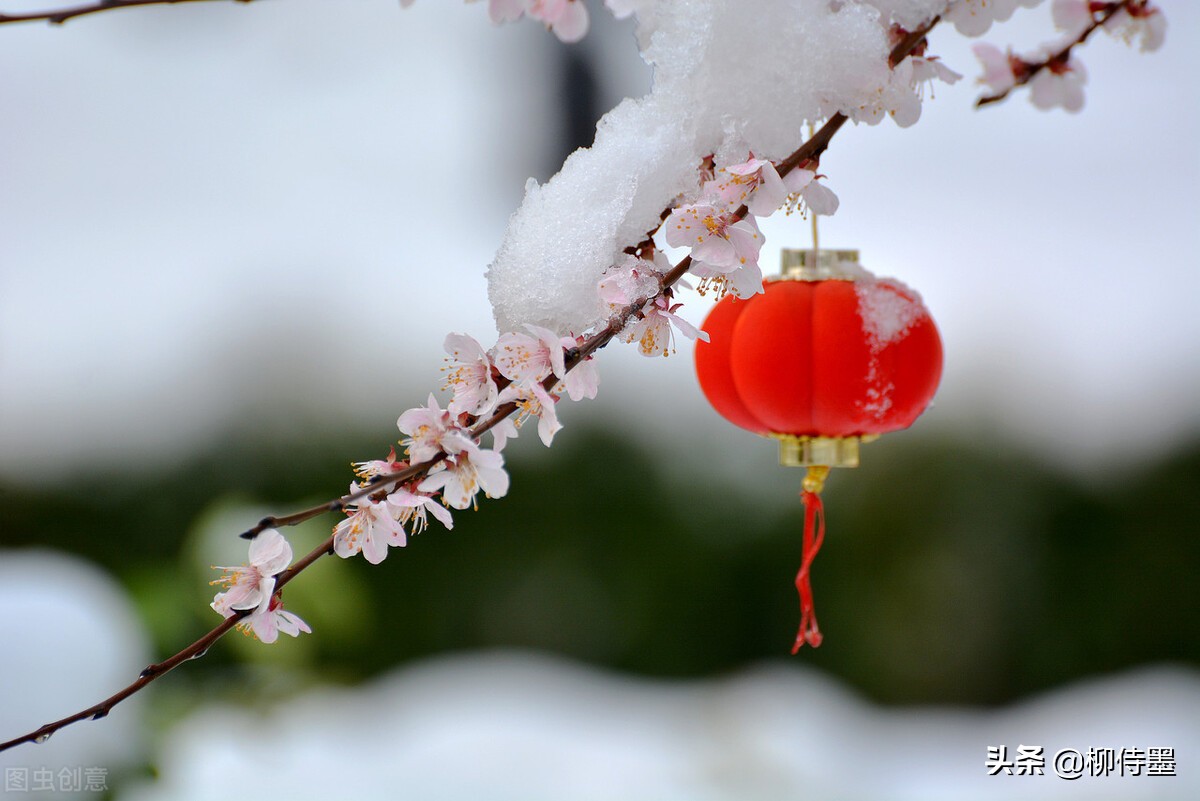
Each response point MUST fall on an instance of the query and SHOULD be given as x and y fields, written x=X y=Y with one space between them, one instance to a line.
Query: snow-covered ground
x=524 y=726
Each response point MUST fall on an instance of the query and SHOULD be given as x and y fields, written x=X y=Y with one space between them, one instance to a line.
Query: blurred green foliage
x=951 y=573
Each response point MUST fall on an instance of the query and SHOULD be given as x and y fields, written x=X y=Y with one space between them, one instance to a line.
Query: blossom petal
x=769 y=195
x=548 y=424
x=347 y=536
x=610 y=291
x=997 y=70
x=503 y=431
x=797 y=179
x=505 y=10
x=683 y=326
x=583 y=381
x=290 y=624
x=264 y=626
x=493 y=481
x=684 y=227
x=571 y=24
x=551 y=342
x=374 y=545
x=435 y=481
x=716 y=251
x=270 y=552
x=441 y=513
x=464 y=348
x=747 y=241
x=746 y=282
x=820 y=199
x=517 y=358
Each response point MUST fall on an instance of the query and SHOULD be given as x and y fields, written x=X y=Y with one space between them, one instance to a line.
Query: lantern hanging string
x=814 y=535
x=816 y=249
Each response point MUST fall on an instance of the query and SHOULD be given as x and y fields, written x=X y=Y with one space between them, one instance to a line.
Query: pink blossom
x=974 y=17
x=529 y=359
x=375 y=468
x=534 y=401
x=506 y=10
x=266 y=624
x=927 y=70
x=502 y=432
x=371 y=528
x=905 y=94
x=469 y=374
x=653 y=331
x=1139 y=21
x=716 y=238
x=583 y=381
x=741 y=283
x=804 y=184
x=1059 y=84
x=431 y=430
x=251 y=586
x=1072 y=16
x=411 y=507
x=754 y=182
x=631 y=279
x=568 y=19
x=998 y=73
x=462 y=475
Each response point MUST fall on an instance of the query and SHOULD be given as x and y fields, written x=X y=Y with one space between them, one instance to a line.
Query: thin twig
x=63 y=14
x=909 y=42
x=1024 y=71
x=809 y=151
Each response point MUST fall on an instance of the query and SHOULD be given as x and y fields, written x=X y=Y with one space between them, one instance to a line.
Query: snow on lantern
x=828 y=357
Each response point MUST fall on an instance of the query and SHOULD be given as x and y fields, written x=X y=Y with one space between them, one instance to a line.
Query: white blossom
x=461 y=477
x=974 y=17
x=652 y=331
x=469 y=376
x=371 y=528
x=251 y=586
x=431 y=430
x=267 y=624
x=1059 y=84
x=998 y=75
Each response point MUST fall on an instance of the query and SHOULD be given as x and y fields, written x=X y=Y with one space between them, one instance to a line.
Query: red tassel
x=814 y=535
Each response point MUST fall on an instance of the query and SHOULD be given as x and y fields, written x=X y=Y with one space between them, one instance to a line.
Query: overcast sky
x=285 y=206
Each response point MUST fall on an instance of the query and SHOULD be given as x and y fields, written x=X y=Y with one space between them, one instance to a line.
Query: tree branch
x=1024 y=71
x=808 y=151
x=62 y=15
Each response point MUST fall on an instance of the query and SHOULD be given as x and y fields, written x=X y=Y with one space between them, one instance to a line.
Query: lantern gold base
x=804 y=451
x=819 y=265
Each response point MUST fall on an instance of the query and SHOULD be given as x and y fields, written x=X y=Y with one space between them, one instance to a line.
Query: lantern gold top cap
x=820 y=265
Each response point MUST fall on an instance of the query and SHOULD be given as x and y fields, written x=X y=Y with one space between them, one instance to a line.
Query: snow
x=503 y=725
x=887 y=308
x=729 y=77
x=909 y=14
x=71 y=638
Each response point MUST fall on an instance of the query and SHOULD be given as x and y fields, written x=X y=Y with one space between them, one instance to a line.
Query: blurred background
x=232 y=239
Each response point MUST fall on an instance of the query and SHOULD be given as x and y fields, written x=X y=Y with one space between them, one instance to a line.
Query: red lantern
x=829 y=357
